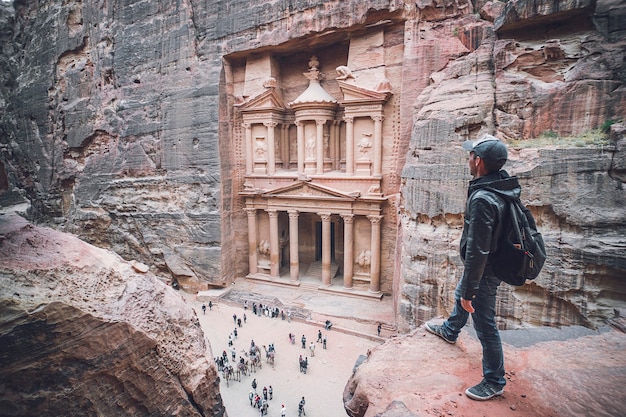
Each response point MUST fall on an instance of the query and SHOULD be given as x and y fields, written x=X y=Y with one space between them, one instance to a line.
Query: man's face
x=473 y=164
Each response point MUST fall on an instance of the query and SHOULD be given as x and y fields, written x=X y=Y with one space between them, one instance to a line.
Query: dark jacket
x=484 y=211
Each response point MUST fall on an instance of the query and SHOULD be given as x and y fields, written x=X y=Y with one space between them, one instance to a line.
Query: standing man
x=301 y=407
x=476 y=291
x=283 y=411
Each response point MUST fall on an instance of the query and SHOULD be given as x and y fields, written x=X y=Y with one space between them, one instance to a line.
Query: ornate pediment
x=306 y=189
x=355 y=94
x=268 y=101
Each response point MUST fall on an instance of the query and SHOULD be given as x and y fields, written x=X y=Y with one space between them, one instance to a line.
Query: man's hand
x=467 y=305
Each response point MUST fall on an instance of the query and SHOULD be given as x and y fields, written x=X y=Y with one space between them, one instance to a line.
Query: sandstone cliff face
x=83 y=333
x=117 y=118
x=544 y=70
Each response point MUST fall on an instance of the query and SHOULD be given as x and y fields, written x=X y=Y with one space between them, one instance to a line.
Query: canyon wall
x=548 y=73
x=84 y=333
x=116 y=126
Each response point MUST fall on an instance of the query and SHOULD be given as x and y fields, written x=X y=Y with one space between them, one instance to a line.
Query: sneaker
x=484 y=391
x=437 y=329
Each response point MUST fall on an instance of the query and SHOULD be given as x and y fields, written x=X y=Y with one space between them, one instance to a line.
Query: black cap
x=489 y=149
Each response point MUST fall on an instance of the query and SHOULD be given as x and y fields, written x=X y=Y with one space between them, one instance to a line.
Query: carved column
x=319 y=146
x=375 y=249
x=271 y=148
x=348 y=250
x=249 y=152
x=252 y=240
x=349 y=144
x=378 y=144
x=284 y=142
x=300 y=144
x=335 y=145
x=294 y=261
x=325 y=248
x=274 y=247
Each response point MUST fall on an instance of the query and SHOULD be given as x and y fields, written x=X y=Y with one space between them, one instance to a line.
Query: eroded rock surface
x=420 y=374
x=83 y=333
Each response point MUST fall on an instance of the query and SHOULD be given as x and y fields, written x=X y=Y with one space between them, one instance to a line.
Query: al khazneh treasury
x=313 y=191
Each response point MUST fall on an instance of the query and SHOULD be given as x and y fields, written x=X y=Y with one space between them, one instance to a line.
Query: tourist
x=476 y=290
x=301 y=407
x=283 y=411
x=319 y=336
x=303 y=342
x=312 y=349
x=203 y=308
x=324 y=342
x=271 y=392
x=210 y=305
x=378 y=329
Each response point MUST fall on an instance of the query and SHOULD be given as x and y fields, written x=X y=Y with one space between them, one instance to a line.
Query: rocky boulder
x=421 y=375
x=82 y=333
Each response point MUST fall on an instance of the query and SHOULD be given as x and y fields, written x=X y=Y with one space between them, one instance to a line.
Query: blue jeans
x=484 y=319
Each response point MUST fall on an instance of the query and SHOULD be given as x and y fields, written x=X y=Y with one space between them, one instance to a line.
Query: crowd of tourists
x=234 y=365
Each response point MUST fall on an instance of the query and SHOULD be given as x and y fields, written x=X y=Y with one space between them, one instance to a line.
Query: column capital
x=272 y=212
x=348 y=119
x=270 y=124
x=250 y=211
x=375 y=219
x=378 y=118
x=347 y=218
x=293 y=213
x=298 y=123
x=246 y=125
x=320 y=121
x=325 y=216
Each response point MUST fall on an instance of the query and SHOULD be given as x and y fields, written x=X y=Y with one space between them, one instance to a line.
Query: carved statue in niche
x=264 y=247
x=364 y=260
x=310 y=147
x=365 y=144
x=326 y=145
x=344 y=73
x=260 y=148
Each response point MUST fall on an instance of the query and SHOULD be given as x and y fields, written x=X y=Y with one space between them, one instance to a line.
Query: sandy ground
x=323 y=384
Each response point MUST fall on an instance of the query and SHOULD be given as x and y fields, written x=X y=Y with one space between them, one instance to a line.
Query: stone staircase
x=315 y=270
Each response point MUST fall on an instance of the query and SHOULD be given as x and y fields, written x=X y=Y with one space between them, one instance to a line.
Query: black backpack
x=521 y=251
